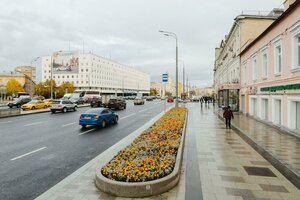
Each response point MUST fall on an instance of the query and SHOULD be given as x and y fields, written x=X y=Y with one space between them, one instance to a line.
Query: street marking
x=144 y=110
x=127 y=116
x=26 y=154
x=6 y=122
x=35 y=123
x=68 y=124
x=87 y=131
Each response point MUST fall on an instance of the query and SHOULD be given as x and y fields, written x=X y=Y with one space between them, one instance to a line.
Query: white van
x=90 y=94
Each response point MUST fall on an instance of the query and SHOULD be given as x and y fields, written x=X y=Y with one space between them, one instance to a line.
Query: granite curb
x=288 y=172
x=142 y=189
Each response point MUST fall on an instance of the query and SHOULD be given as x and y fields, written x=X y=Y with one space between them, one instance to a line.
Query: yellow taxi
x=48 y=102
x=34 y=104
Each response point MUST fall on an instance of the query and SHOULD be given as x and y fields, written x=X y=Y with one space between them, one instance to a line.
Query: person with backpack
x=228 y=115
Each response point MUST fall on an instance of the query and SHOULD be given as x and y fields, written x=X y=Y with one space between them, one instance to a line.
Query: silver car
x=63 y=106
x=138 y=101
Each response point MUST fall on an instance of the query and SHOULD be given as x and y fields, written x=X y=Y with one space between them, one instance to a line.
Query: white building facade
x=90 y=72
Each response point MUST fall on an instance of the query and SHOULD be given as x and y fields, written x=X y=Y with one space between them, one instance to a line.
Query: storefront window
x=233 y=99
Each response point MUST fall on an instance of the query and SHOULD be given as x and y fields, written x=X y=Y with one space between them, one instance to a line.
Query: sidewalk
x=281 y=149
x=217 y=165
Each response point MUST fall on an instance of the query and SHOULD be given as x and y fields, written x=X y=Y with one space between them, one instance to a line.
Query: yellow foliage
x=13 y=86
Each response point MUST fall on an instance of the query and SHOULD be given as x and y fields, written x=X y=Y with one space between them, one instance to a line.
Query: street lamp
x=33 y=60
x=170 y=34
x=183 y=78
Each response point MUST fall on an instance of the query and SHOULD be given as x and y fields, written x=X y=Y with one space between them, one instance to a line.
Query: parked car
x=149 y=98
x=98 y=117
x=170 y=99
x=63 y=106
x=96 y=102
x=116 y=103
x=138 y=101
x=19 y=102
x=77 y=100
x=34 y=104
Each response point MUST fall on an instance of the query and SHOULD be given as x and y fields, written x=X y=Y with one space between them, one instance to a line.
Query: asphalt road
x=39 y=150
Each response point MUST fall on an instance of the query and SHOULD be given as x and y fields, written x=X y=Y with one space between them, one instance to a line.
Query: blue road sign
x=165 y=78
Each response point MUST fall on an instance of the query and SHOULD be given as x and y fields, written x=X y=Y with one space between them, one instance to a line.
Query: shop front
x=228 y=95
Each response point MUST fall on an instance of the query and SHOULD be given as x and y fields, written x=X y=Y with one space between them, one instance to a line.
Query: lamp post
x=183 y=78
x=170 y=34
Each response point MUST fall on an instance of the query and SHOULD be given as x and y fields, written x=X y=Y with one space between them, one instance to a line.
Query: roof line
x=284 y=15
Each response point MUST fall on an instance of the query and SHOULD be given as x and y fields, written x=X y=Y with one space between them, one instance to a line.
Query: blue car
x=98 y=117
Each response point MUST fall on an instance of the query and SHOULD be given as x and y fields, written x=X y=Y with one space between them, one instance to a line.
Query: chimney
x=287 y=4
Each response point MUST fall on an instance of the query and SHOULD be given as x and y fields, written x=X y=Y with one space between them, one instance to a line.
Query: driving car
x=34 y=104
x=48 y=102
x=138 y=101
x=98 y=116
x=96 y=102
x=116 y=103
x=63 y=106
x=77 y=100
x=149 y=98
x=170 y=99
x=19 y=102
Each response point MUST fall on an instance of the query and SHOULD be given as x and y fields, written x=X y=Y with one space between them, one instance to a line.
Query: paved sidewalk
x=217 y=165
x=229 y=167
x=281 y=149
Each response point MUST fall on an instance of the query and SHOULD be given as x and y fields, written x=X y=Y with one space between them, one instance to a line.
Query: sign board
x=65 y=62
x=165 y=78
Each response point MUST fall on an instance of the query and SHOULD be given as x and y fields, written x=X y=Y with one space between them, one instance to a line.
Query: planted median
x=150 y=164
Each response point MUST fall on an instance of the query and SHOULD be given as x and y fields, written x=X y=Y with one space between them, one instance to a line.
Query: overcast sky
x=123 y=30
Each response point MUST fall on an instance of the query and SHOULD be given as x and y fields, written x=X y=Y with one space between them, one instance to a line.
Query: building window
x=277 y=57
x=296 y=51
x=264 y=64
x=254 y=68
x=245 y=74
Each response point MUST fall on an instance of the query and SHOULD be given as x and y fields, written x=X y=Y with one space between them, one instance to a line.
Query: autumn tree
x=44 y=88
x=168 y=94
x=14 y=86
x=64 y=88
x=153 y=92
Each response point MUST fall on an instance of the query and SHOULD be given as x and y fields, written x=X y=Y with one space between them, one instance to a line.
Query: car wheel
x=53 y=111
x=75 y=108
x=83 y=126
x=32 y=108
x=125 y=107
x=10 y=106
x=64 y=110
x=18 y=106
x=103 y=123
x=116 y=120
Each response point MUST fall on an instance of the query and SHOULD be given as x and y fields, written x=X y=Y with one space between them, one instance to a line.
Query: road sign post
x=165 y=80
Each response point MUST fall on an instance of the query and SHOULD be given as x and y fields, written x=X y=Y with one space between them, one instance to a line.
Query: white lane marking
x=144 y=110
x=127 y=116
x=86 y=131
x=26 y=154
x=6 y=122
x=35 y=123
x=68 y=124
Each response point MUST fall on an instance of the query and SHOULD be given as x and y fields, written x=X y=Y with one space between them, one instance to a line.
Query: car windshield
x=33 y=102
x=93 y=111
x=112 y=100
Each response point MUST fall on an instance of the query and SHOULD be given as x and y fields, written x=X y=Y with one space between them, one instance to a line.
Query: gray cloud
x=126 y=31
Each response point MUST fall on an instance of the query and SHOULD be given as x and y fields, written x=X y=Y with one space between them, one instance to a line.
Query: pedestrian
x=228 y=114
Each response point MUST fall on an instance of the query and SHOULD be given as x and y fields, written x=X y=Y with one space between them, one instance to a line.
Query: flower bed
x=152 y=155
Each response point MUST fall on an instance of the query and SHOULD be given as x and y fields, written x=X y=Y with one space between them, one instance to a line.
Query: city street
x=39 y=150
